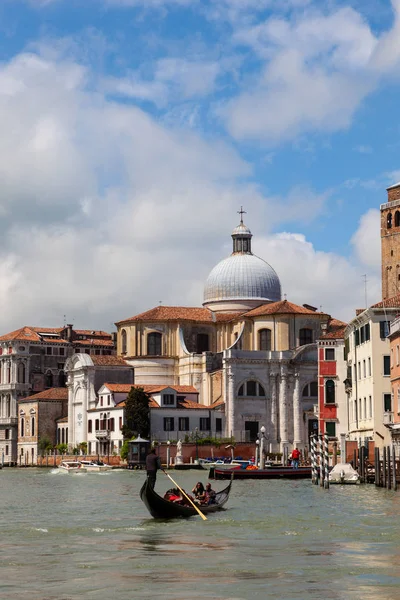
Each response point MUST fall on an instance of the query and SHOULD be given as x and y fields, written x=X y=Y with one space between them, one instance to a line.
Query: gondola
x=159 y=508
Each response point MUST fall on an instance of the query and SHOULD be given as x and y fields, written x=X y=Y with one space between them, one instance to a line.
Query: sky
x=132 y=131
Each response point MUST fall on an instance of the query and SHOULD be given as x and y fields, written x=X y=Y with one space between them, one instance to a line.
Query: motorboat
x=221 y=464
x=344 y=474
x=95 y=466
x=71 y=466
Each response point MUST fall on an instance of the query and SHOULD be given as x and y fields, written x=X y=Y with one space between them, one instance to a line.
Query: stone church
x=251 y=355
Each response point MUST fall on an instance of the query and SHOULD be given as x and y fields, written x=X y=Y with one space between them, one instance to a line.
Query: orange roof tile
x=335 y=330
x=150 y=388
x=179 y=313
x=217 y=403
x=393 y=302
x=58 y=393
x=93 y=342
x=109 y=361
x=92 y=333
x=281 y=308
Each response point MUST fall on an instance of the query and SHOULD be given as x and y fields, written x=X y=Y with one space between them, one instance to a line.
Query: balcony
x=102 y=434
x=9 y=421
x=387 y=418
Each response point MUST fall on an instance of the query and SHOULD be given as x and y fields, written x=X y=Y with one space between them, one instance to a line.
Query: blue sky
x=133 y=130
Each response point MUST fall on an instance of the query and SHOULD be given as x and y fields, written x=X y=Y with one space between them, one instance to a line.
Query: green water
x=88 y=536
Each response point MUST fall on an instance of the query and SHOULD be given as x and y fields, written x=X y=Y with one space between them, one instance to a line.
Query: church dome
x=242 y=281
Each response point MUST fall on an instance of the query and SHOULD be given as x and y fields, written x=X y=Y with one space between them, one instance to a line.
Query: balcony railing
x=103 y=434
x=8 y=420
x=387 y=418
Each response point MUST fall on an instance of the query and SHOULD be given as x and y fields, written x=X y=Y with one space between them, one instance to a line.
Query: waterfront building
x=368 y=381
x=245 y=348
x=394 y=337
x=332 y=373
x=37 y=420
x=390 y=243
x=32 y=359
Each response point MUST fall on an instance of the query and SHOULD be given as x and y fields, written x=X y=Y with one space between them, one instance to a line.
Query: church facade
x=251 y=355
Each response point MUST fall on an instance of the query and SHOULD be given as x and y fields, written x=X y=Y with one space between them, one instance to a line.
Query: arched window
x=33 y=426
x=61 y=379
x=329 y=392
x=251 y=388
x=22 y=426
x=8 y=372
x=21 y=372
x=264 y=339
x=49 y=379
x=8 y=406
x=397 y=218
x=310 y=390
x=66 y=435
x=63 y=436
x=305 y=336
x=389 y=221
x=123 y=341
x=154 y=344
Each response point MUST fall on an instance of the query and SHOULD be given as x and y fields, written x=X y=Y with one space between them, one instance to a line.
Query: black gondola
x=159 y=508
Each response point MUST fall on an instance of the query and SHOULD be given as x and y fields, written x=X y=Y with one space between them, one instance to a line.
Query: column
x=274 y=416
x=231 y=405
x=297 y=417
x=283 y=411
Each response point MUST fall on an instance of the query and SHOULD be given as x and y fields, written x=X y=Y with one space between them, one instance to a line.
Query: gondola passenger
x=199 y=492
x=210 y=494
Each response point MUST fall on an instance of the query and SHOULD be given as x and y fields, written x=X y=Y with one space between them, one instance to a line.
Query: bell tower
x=390 y=243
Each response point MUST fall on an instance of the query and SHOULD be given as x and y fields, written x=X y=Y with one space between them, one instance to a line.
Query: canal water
x=88 y=536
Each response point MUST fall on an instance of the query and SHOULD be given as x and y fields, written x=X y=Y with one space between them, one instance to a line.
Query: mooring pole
x=312 y=457
x=376 y=467
x=362 y=463
x=326 y=454
x=394 y=481
x=389 y=464
x=384 y=467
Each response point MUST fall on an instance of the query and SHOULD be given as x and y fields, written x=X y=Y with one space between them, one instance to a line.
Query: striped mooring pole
x=326 y=461
x=314 y=468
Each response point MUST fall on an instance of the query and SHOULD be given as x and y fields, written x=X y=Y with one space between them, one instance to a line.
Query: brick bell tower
x=390 y=240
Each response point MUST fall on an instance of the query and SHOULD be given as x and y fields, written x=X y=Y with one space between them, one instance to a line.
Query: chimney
x=69 y=333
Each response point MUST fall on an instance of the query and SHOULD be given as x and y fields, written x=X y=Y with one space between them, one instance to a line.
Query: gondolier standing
x=152 y=466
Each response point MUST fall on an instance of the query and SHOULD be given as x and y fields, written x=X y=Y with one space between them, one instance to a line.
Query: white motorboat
x=95 y=466
x=224 y=465
x=71 y=466
x=344 y=474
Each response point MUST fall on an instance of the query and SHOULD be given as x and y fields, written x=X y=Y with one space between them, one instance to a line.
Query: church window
x=154 y=344
x=89 y=426
x=97 y=425
x=63 y=436
x=49 y=379
x=123 y=341
x=241 y=390
x=22 y=427
x=205 y=424
x=251 y=388
x=202 y=343
x=389 y=221
x=264 y=339
x=21 y=372
x=33 y=426
x=168 y=399
x=397 y=218
x=61 y=379
x=329 y=392
x=310 y=390
x=305 y=336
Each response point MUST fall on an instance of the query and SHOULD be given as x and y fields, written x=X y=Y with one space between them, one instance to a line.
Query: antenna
x=365 y=290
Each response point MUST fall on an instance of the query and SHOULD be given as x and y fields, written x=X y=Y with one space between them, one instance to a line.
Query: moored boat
x=160 y=508
x=268 y=473
x=71 y=466
x=93 y=466
x=344 y=474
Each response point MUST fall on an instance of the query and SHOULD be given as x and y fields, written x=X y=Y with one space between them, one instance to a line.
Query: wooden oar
x=186 y=496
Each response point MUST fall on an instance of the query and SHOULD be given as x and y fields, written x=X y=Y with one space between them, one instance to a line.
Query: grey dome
x=242 y=276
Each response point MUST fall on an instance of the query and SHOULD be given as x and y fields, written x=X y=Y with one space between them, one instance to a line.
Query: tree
x=136 y=414
x=45 y=445
x=124 y=450
x=62 y=448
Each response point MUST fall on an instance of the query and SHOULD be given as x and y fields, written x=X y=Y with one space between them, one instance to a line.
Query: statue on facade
x=179 y=457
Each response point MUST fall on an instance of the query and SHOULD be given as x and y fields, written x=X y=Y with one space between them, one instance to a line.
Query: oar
x=186 y=496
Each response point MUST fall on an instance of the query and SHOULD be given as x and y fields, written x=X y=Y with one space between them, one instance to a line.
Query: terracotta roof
x=62 y=420
x=109 y=361
x=32 y=334
x=27 y=334
x=58 y=393
x=179 y=313
x=217 y=403
x=153 y=389
x=183 y=404
x=93 y=342
x=393 y=302
x=335 y=330
x=91 y=333
x=282 y=307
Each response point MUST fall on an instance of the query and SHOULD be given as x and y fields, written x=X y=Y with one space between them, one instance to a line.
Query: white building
x=369 y=388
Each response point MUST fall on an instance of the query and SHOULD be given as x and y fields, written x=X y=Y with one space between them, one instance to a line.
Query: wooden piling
x=389 y=464
x=355 y=465
x=321 y=460
x=394 y=479
x=326 y=461
x=384 y=467
x=334 y=456
x=377 y=467
x=362 y=463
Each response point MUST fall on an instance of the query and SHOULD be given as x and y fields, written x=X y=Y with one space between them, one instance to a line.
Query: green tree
x=62 y=448
x=124 y=450
x=45 y=445
x=136 y=414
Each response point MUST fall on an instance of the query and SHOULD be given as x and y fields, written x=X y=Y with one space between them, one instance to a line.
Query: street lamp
x=262 y=448
x=168 y=453
x=196 y=431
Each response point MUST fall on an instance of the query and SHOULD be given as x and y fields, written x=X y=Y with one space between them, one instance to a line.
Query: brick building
x=32 y=359
x=390 y=241
x=394 y=337
x=37 y=418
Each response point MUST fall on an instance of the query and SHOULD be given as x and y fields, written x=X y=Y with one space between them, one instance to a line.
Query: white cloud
x=366 y=240
x=317 y=69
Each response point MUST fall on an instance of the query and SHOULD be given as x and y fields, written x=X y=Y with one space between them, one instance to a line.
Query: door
x=251 y=431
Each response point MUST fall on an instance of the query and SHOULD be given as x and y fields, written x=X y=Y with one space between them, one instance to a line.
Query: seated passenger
x=210 y=494
x=199 y=492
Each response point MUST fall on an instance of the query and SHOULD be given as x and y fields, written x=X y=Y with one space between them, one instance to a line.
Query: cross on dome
x=241 y=212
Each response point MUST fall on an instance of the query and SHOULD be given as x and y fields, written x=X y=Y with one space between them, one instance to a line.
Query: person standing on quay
x=152 y=466
x=295 y=458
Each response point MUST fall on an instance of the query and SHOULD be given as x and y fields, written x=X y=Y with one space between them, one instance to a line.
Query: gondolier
x=152 y=466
